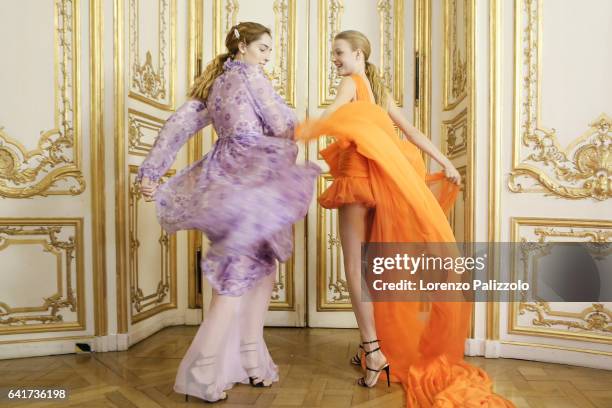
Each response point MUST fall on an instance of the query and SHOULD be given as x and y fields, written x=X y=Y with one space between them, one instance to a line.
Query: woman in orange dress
x=383 y=194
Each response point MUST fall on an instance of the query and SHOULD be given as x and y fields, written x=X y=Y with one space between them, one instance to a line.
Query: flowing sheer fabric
x=424 y=342
x=191 y=375
x=247 y=192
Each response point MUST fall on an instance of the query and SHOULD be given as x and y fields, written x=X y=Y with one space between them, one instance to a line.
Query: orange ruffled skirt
x=351 y=178
x=372 y=166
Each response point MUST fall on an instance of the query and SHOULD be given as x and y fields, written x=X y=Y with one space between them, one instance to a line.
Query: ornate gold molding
x=57 y=158
x=586 y=163
x=454 y=86
x=332 y=287
x=138 y=122
x=591 y=323
x=283 y=72
x=144 y=305
x=599 y=236
x=283 y=292
x=282 y=75
x=385 y=14
x=452 y=219
x=454 y=135
x=495 y=29
x=584 y=168
x=422 y=66
x=195 y=14
x=223 y=19
x=123 y=172
x=154 y=85
x=596 y=318
x=98 y=168
x=391 y=47
x=330 y=18
x=391 y=62
x=120 y=167
x=63 y=238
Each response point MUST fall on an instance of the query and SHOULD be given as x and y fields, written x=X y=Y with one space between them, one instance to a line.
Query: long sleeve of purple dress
x=180 y=126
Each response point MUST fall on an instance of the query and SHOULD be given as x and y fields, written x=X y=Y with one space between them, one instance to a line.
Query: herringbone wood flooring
x=314 y=372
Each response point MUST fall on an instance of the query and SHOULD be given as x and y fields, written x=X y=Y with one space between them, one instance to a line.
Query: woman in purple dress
x=245 y=195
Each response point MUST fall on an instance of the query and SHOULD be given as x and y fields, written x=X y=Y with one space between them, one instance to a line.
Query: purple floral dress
x=247 y=192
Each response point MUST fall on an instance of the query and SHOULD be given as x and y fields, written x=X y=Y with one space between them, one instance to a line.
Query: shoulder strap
x=362 y=88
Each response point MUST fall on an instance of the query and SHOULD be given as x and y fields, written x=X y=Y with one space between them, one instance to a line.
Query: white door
x=448 y=66
x=554 y=103
x=311 y=288
x=150 y=56
x=52 y=249
x=451 y=123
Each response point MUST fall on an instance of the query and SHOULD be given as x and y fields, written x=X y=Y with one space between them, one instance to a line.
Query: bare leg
x=353 y=229
x=254 y=307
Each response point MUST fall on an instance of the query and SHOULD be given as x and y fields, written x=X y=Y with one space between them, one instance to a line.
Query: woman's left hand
x=452 y=174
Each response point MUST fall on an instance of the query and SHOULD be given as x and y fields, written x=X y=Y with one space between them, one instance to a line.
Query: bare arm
x=415 y=136
x=344 y=94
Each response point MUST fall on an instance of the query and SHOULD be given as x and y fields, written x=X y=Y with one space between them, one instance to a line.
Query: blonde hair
x=245 y=32
x=358 y=40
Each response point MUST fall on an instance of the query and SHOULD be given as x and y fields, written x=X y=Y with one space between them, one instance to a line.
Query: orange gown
x=373 y=166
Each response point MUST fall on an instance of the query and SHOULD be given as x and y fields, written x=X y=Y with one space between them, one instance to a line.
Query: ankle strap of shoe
x=367 y=353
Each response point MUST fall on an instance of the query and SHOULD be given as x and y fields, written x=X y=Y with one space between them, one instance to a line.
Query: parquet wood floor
x=314 y=372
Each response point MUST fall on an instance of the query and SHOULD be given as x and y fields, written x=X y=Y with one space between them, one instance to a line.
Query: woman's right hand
x=148 y=188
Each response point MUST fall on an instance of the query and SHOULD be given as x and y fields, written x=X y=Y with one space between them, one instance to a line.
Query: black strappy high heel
x=362 y=381
x=356 y=359
x=250 y=348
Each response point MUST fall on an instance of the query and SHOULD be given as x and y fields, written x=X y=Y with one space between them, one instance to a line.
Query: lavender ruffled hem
x=245 y=195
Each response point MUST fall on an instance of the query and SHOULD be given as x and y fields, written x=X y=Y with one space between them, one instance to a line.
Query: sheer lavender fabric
x=245 y=194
